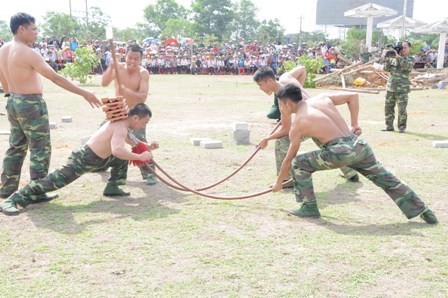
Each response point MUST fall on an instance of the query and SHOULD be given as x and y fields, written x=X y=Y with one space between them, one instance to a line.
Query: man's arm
x=283 y=131
x=118 y=140
x=108 y=75
x=4 y=82
x=298 y=73
x=42 y=67
x=352 y=101
x=295 y=137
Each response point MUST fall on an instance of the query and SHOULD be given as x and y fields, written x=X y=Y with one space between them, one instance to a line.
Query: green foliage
x=177 y=27
x=312 y=66
x=81 y=69
x=213 y=17
x=352 y=47
x=157 y=16
x=5 y=31
x=95 y=26
x=59 y=24
x=269 y=30
x=245 y=24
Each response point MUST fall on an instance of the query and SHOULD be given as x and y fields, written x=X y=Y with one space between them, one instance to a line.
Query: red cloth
x=139 y=148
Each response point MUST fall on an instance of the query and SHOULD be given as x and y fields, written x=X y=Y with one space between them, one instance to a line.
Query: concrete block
x=440 y=144
x=197 y=141
x=84 y=140
x=5 y=132
x=241 y=137
x=211 y=144
x=66 y=119
x=240 y=126
x=52 y=125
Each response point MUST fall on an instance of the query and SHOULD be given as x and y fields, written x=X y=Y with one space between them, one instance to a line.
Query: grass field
x=160 y=242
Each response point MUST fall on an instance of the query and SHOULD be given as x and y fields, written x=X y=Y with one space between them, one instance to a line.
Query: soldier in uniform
x=20 y=67
x=265 y=78
x=318 y=117
x=398 y=86
x=134 y=80
x=105 y=148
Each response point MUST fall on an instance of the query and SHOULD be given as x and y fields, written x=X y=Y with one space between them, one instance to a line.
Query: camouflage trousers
x=28 y=119
x=141 y=135
x=81 y=161
x=401 y=100
x=281 y=148
x=355 y=153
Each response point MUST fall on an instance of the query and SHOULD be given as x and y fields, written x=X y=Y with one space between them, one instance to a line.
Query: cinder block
x=66 y=119
x=240 y=126
x=211 y=144
x=5 y=132
x=440 y=144
x=241 y=137
x=84 y=140
x=197 y=141
x=52 y=125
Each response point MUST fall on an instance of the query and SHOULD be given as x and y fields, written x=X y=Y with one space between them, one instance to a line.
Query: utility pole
x=70 y=6
x=87 y=15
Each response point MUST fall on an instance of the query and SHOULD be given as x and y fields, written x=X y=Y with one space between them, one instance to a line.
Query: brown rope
x=242 y=165
x=182 y=187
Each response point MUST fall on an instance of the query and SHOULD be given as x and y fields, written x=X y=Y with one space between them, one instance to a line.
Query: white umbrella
x=399 y=23
x=440 y=27
x=370 y=11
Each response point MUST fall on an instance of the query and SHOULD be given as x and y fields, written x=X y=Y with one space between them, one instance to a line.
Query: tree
x=245 y=23
x=270 y=30
x=176 y=27
x=5 y=31
x=59 y=24
x=94 y=27
x=213 y=17
x=128 y=34
x=157 y=15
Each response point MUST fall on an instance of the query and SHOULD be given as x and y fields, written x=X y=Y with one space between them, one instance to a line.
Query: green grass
x=161 y=242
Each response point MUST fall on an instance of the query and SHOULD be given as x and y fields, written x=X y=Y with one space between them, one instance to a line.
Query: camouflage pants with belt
x=401 y=100
x=28 y=118
x=281 y=148
x=81 y=161
x=141 y=135
x=355 y=153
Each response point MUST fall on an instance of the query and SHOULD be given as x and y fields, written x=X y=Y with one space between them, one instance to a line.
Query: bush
x=312 y=66
x=81 y=69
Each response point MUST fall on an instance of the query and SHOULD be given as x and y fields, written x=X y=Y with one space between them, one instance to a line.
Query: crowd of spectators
x=186 y=56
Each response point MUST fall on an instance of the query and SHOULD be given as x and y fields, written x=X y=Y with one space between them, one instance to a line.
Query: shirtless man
x=106 y=147
x=265 y=78
x=317 y=117
x=134 y=86
x=27 y=110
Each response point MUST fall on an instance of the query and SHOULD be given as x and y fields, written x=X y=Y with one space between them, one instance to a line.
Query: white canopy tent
x=440 y=27
x=401 y=23
x=370 y=11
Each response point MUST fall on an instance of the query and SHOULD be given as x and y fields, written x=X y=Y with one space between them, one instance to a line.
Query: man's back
x=319 y=118
x=16 y=69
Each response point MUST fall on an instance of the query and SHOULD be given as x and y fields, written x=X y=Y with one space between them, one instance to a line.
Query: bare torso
x=131 y=80
x=101 y=140
x=318 y=117
x=16 y=71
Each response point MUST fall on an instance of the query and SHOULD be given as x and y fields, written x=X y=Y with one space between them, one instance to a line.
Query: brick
x=197 y=141
x=52 y=125
x=240 y=126
x=211 y=144
x=241 y=137
x=66 y=119
x=440 y=144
